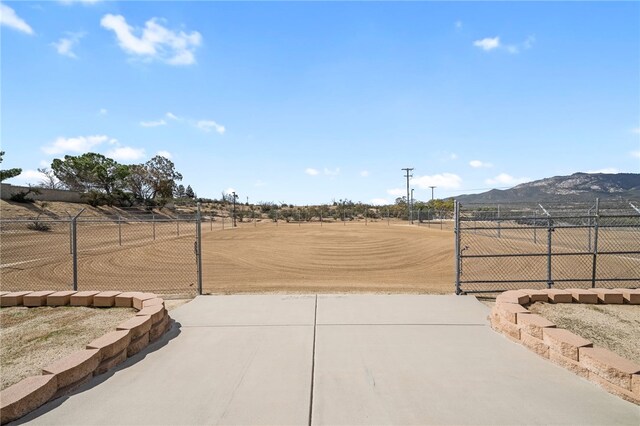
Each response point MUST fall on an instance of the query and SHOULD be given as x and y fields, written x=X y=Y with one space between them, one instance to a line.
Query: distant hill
x=575 y=188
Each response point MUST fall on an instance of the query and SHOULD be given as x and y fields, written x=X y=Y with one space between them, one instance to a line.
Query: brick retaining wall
x=615 y=374
x=66 y=374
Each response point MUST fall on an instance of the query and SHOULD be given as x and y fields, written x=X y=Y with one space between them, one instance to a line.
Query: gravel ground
x=31 y=338
x=614 y=327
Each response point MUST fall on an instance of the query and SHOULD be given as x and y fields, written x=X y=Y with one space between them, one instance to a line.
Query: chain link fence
x=127 y=252
x=502 y=247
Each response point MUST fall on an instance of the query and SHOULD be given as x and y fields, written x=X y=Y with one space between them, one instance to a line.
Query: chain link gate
x=506 y=247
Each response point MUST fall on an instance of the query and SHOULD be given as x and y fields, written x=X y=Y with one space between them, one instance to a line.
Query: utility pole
x=408 y=176
x=412 y=206
x=235 y=197
x=432 y=188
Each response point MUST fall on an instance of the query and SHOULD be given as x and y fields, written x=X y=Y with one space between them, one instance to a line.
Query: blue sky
x=309 y=102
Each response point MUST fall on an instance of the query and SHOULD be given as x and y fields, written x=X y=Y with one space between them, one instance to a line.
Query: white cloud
x=505 y=179
x=153 y=123
x=334 y=172
x=477 y=164
x=171 y=116
x=364 y=173
x=9 y=18
x=78 y=144
x=442 y=180
x=103 y=111
x=397 y=192
x=607 y=170
x=43 y=163
x=165 y=154
x=379 y=201
x=208 y=125
x=155 y=41
x=311 y=172
x=229 y=191
x=65 y=45
x=636 y=130
x=260 y=183
x=487 y=43
x=30 y=176
x=453 y=156
x=458 y=24
x=126 y=153
x=635 y=154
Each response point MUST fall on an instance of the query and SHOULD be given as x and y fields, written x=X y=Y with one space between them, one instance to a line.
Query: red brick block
x=60 y=298
x=13 y=299
x=37 y=298
x=125 y=300
x=74 y=367
x=635 y=384
x=508 y=311
x=83 y=298
x=564 y=342
x=156 y=313
x=616 y=390
x=512 y=331
x=136 y=325
x=513 y=296
x=109 y=363
x=631 y=296
x=137 y=345
x=159 y=329
x=537 y=295
x=536 y=345
x=111 y=343
x=25 y=396
x=105 y=299
x=569 y=364
x=559 y=296
x=581 y=295
x=532 y=324
x=152 y=302
x=137 y=300
x=609 y=366
x=608 y=296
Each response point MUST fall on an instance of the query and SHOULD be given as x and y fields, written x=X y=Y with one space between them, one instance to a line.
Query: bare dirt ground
x=32 y=338
x=614 y=327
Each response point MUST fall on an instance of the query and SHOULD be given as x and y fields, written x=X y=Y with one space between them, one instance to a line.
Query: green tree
x=154 y=179
x=189 y=192
x=9 y=173
x=89 y=172
x=180 y=191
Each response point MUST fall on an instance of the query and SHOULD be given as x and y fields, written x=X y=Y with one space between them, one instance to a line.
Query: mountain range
x=578 y=187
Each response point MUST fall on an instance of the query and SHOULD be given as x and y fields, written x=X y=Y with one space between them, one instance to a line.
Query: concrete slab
x=378 y=359
x=400 y=309
x=243 y=310
x=206 y=375
x=436 y=375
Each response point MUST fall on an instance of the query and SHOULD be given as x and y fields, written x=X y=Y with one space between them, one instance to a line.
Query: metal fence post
x=153 y=221
x=498 y=220
x=74 y=248
x=211 y=222
x=456 y=209
x=178 y=226
x=199 y=249
x=535 y=224
x=595 y=243
x=119 y=230
x=549 y=276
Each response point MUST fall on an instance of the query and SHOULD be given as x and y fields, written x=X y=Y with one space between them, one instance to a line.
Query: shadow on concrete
x=173 y=332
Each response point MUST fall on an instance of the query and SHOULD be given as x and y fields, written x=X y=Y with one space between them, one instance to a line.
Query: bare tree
x=49 y=181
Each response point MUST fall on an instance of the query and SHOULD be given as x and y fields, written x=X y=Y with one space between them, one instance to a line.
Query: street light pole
x=432 y=188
